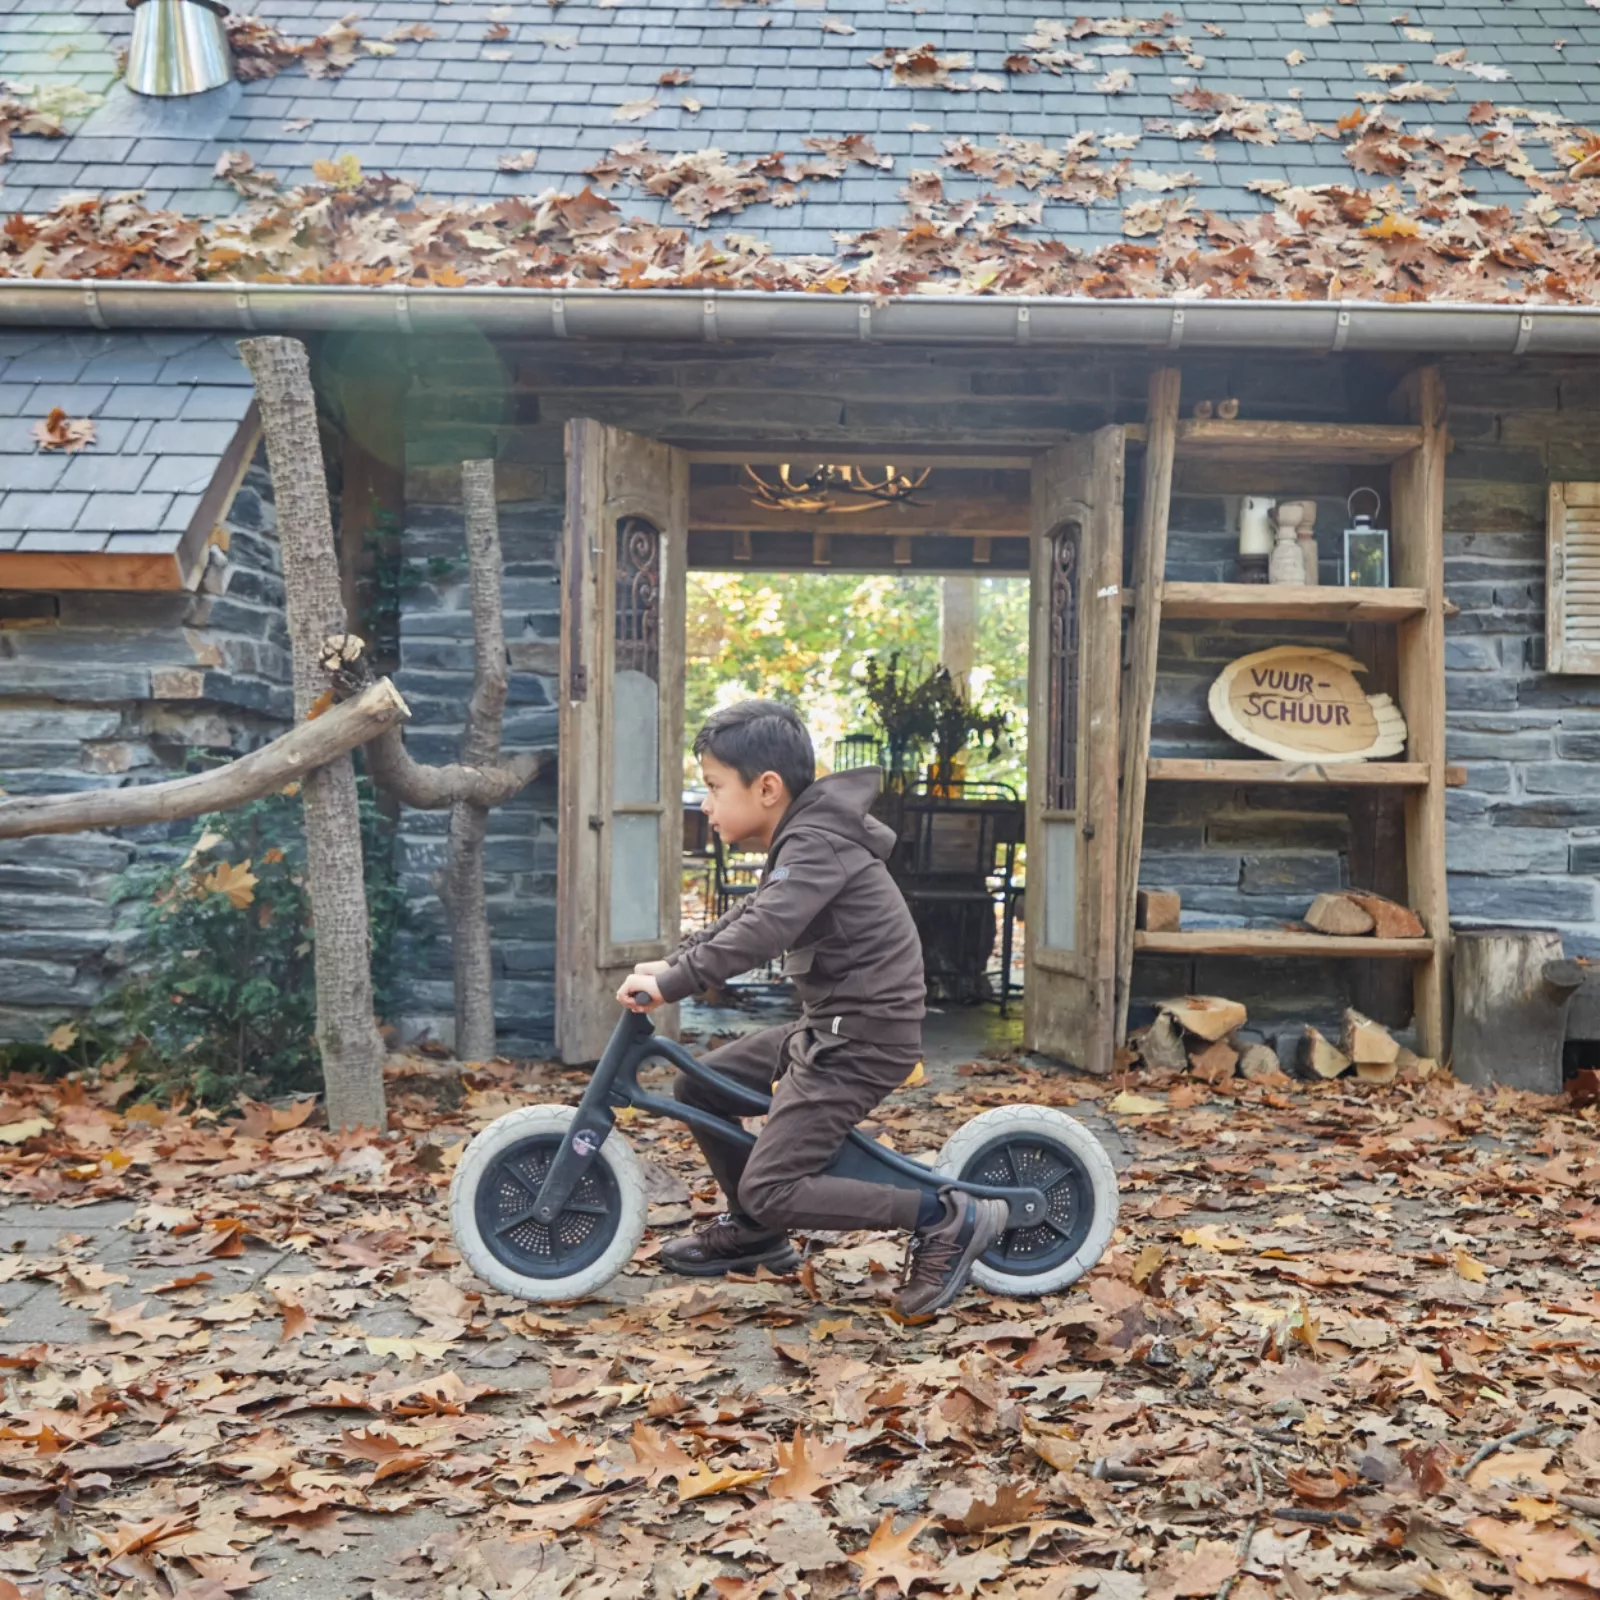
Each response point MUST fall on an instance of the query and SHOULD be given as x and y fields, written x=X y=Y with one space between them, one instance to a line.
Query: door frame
x=1101 y=571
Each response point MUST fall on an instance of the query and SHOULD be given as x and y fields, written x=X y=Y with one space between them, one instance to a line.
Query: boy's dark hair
x=757 y=736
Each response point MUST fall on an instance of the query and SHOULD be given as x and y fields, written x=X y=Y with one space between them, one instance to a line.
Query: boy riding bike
x=826 y=902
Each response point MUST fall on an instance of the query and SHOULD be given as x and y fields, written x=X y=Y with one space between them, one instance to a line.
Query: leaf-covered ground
x=1347 y=1342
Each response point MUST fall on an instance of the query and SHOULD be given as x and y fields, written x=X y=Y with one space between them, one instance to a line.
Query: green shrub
x=221 y=995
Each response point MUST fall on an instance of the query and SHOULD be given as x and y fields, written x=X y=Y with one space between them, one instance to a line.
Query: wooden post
x=1150 y=567
x=958 y=627
x=347 y=1036
x=1512 y=988
x=1417 y=543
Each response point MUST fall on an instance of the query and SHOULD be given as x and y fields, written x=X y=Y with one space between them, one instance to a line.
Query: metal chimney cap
x=179 y=47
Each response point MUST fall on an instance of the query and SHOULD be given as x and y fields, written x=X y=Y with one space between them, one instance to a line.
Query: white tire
x=612 y=1194
x=1097 y=1185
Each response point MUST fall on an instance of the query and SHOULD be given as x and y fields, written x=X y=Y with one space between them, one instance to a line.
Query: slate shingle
x=145 y=473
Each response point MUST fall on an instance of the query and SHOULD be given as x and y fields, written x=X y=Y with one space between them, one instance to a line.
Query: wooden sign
x=1302 y=704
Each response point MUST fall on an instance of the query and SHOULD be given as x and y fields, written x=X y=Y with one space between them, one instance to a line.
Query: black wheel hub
x=503 y=1208
x=1055 y=1169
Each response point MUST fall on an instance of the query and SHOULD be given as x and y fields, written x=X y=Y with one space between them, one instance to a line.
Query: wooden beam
x=1150 y=565
x=50 y=569
x=1278 y=942
x=218 y=497
x=719 y=551
x=730 y=506
x=290 y=756
x=765 y=453
x=1317 y=441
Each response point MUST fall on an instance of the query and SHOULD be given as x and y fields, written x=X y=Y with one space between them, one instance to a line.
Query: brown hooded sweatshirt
x=826 y=899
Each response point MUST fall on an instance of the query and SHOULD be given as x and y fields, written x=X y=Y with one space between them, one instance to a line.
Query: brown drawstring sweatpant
x=826 y=1085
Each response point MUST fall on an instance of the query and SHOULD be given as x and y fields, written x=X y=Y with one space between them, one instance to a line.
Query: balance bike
x=548 y=1203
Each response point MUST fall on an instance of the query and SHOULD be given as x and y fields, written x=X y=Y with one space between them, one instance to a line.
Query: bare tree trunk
x=348 y=1038
x=480 y=780
x=462 y=887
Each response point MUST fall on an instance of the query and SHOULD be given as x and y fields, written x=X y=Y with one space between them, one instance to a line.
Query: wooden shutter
x=1572 y=579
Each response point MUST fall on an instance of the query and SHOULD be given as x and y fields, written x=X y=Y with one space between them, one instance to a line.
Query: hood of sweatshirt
x=840 y=804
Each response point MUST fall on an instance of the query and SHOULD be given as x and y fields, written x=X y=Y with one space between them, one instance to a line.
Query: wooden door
x=620 y=821
x=1074 y=672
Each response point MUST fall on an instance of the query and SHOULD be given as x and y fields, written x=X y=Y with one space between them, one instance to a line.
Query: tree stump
x=1512 y=988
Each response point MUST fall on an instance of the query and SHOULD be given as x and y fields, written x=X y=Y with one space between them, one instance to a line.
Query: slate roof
x=166 y=407
x=442 y=112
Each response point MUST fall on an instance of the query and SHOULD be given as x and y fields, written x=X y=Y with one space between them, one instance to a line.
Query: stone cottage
x=567 y=241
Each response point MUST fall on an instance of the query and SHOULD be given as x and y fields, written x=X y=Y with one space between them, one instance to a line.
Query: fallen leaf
x=58 y=431
x=1128 y=1104
x=888 y=1556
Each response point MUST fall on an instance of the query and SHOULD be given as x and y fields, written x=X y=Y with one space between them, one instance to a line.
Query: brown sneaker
x=731 y=1243
x=939 y=1259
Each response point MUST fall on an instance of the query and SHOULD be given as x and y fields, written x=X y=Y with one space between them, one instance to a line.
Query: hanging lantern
x=1366 y=548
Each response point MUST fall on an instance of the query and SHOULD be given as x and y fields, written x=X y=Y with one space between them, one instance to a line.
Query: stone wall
x=1524 y=840
x=116 y=689
x=457 y=412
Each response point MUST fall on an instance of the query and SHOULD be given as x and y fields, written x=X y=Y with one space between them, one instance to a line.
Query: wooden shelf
x=1336 y=774
x=1339 y=774
x=1353 y=442
x=1290 y=602
x=1277 y=942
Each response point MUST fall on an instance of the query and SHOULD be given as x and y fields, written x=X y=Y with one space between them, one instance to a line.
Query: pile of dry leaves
x=1347 y=1341
x=1422 y=233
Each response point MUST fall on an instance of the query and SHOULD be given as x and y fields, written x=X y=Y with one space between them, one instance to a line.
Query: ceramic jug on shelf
x=1255 y=537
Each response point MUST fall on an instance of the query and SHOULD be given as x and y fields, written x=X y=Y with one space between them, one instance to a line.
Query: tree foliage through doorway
x=800 y=637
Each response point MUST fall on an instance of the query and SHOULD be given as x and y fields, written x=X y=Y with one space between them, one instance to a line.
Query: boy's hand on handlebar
x=637 y=985
x=651 y=969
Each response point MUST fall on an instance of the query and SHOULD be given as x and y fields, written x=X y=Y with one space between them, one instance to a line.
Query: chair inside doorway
x=956 y=862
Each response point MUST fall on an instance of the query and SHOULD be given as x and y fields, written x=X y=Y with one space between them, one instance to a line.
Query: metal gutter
x=744 y=314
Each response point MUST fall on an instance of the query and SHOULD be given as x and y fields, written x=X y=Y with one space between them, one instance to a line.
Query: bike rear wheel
x=491 y=1209
x=1047 y=1149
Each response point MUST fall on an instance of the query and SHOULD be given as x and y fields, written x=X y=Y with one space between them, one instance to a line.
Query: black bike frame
x=615 y=1084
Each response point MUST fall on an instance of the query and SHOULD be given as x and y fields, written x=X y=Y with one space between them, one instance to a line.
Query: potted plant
x=905 y=711
x=956 y=721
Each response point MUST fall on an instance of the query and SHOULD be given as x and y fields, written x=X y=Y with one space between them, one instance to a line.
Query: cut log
x=1366 y=1042
x=1417 y=1066
x=1215 y=1063
x=1206 y=1016
x=1162 y=1046
x=1259 y=1061
x=1377 y=1071
x=1390 y=919
x=1512 y=989
x=1339 y=914
x=1159 y=911
x=1324 y=1059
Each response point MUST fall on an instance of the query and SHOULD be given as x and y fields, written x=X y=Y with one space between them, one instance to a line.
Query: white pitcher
x=1255 y=525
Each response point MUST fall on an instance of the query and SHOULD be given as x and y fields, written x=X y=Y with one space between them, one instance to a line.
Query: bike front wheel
x=491 y=1209
x=1048 y=1150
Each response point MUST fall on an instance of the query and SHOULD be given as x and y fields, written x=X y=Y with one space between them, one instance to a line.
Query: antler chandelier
x=832 y=489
